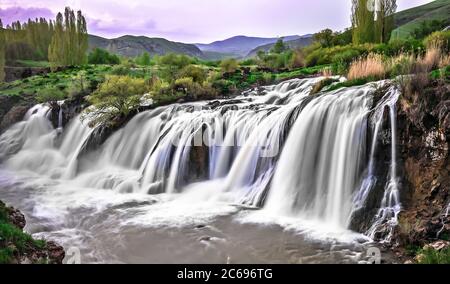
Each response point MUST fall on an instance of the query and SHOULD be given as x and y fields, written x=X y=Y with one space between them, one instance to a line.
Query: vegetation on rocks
x=19 y=247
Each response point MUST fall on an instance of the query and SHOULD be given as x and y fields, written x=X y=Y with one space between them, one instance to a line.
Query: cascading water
x=284 y=150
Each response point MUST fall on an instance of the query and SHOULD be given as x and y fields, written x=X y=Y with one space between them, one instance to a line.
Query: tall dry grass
x=371 y=66
x=445 y=61
x=430 y=60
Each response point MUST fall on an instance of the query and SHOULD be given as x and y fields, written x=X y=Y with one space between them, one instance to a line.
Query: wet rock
x=50 y=252
x=438 y=245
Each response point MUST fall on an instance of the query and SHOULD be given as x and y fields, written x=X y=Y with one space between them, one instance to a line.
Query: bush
x=117 y=96
x=197 y=74
x=432 y=256
x=224 y=86
x=50 y=94
x=297 y=59
x=176 y=60
x=144 y=59
x=439 y=40
x=121 y=70
x=229 y=65
x=101 y=56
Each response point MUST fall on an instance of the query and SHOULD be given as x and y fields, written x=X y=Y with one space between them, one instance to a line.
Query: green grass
x=431 y=256
x=350 y=83
x=407 y=21
x=301 y=72
x=31 y=63
x=10 y=234
x=61 y=80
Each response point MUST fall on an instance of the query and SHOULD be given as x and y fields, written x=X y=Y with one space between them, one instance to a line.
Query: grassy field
x=407 y=21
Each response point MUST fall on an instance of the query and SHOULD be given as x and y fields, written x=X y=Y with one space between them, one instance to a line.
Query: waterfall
x=282 y=149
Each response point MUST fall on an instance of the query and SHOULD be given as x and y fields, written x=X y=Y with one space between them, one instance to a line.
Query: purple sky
x=196 y=20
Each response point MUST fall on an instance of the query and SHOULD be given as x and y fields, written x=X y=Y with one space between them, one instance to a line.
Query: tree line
x=372 y=20
x=62 y=42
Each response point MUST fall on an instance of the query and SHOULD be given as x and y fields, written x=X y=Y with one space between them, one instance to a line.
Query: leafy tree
x=116 y=97
x=363 y=21
x=2 y=53
x=385 y=10
x=144 y=59
x=102 y=56
x=50 y=95
x=229 y=65
x=197 y=74
x=428 y=27
x=325 y=38
x=70 y=41
x=279 y=47
x=171 y=64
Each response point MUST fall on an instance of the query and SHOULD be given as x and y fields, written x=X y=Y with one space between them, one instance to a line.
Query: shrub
x=197 y=74
x=50 y=94
x=224 y=86
x=115 y=97
x=101 y=56
x=297 y=59
x=175 y=60
x=402 y=64
x=249 y=62
x=432 y=256
x=121 y=70
x=439 y=40
x=144 y=59
x=229 y=65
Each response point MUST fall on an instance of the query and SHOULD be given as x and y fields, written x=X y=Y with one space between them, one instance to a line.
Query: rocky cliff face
x=424 y=144
x=29 y=253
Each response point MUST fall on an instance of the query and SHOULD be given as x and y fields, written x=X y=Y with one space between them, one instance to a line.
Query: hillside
x=239 y=46
x=132 y=46
x=408 y=20
x=301 y=42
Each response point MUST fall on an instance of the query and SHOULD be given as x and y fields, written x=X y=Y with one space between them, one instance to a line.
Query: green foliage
x=14 y=237
x=349 y=83
x=197 y=74
x=2 y=52
x=101 y=56
x=432 y=256
x=229 y=65
x=325 y=38
x=121 y=70
x=279 y=47
x=439 y=39
x=116 y=97
x=70 y=40
x=363 y=22
x=171 y=64
x=50 y=94
x=426 y=28
x=144 y=59
x=249 y=62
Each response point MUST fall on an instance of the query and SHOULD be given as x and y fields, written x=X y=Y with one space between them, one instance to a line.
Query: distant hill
x=293 y=44
x=131 y=46
x=408 y=20
x=239 y=46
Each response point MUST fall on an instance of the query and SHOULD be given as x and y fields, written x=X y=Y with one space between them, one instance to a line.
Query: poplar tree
x=385 y=11
x=2 y=52
x=363 y=21
x=82 y=37
x=57 y=46
x=70 y=41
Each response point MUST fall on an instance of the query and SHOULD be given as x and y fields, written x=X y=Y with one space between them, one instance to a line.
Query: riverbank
x=18 y=247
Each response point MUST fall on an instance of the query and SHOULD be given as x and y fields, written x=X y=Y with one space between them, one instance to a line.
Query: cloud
x=11 y=14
